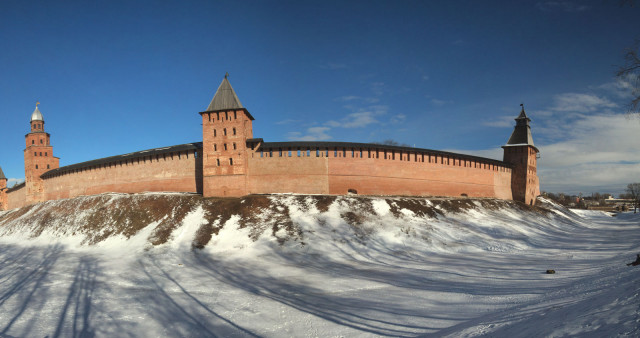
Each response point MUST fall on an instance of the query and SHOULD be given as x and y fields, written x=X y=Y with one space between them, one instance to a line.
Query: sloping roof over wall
x=17 y=187
x=129 y=156
x=331 y=145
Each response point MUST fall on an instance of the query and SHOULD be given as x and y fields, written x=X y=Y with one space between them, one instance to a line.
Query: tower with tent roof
x=226 y=126
x=523 y=155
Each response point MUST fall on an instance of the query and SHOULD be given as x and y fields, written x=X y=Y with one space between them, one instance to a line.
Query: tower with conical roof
x=226 y=126
x=38 y=158
x=523 y=154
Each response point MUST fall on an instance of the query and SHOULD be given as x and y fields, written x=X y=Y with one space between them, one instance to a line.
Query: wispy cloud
x=500 y=122
x=377 y=88
x=288 y=121
x=597 y=154
x=439 y=103
x=356 y=120
x=621 y=88
x=398 y=118
x=350 y=98
x=333 y=66
x=562 y=6
x=13 y=181
x=582 y=103
x=312 y=134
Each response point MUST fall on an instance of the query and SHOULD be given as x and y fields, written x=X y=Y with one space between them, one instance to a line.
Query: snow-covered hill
x=293 y=265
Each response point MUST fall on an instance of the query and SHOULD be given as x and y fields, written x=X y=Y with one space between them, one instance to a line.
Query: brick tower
x=522 y=154
x=38 y=158
x=226 y=126
x=3 y=191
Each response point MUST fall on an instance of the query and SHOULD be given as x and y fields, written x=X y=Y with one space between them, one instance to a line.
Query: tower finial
x=37 y=103
x=226 y=75
x=522 y=105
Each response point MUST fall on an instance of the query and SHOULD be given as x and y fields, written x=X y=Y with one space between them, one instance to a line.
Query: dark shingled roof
x=330 y=145
x=118 y=158
x=522 y=132
x=225 y=97
x=2 y=174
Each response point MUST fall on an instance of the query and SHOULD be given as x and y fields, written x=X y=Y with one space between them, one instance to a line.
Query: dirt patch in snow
x=100 y=217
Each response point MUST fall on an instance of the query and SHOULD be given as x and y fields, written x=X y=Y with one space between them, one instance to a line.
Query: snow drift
x=300 y=265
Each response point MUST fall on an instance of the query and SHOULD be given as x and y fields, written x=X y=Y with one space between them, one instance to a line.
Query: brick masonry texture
x=232 y=163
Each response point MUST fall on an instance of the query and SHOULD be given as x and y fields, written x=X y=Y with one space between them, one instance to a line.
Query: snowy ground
x=477 y=272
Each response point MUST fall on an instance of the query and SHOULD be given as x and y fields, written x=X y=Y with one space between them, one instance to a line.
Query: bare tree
x=630 y=73
x=633 y=189
x=390 y=142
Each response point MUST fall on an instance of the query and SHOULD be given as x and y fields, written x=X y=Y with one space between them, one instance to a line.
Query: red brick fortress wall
x=16 y=197
x=375 y=172
x=176 y=172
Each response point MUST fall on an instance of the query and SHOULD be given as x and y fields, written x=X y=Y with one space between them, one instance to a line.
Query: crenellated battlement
x=231 y=162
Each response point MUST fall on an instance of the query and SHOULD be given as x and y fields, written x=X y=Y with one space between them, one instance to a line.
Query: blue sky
x=120 y=76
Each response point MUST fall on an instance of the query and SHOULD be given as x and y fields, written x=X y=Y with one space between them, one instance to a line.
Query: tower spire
x=225 y=97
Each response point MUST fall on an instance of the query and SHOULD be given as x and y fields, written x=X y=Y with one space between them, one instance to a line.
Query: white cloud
x=621 y=88
x=356 y=120
x=438 y=103
x=399 y=118
x=598 y=153
x=583 y=103
x=13 y=181
x=312 y=134
x=288 y=121
x=501 y=122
